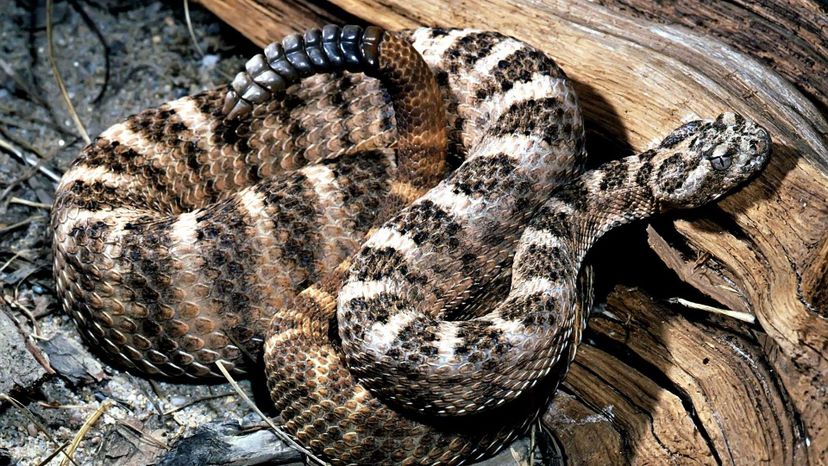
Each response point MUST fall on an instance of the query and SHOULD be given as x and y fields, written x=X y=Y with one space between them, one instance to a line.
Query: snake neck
x=613 y=195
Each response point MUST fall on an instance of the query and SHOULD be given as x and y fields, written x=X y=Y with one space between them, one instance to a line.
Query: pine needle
x=53 y=63
x=52 y=455
x=90 y=421
x=28 y=203
x=190 y=28
x=279 y=433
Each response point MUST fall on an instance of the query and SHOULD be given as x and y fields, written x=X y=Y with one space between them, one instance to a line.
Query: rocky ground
x=116 y=58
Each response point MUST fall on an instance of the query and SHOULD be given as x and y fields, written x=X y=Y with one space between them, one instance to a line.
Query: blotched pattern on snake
x=406 y=232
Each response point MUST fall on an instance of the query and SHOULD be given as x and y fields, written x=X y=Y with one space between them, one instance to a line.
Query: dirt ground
x=116 y=58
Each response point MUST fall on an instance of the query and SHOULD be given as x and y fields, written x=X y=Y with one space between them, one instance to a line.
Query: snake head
x=702 y=160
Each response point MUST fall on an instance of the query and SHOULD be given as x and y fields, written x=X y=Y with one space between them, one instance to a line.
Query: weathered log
x=687 y=390
x=662 y=388
x=263 y=22
x=790 y=37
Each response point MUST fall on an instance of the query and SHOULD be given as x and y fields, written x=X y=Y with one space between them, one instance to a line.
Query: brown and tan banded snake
x=405 y=232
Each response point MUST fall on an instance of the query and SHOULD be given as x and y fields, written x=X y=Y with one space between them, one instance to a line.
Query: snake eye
x=722 y=161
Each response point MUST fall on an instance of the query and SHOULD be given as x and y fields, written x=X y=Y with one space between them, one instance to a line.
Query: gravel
x=116 y=58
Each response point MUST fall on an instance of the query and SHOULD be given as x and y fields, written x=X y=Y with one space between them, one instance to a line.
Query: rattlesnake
x=180 y=233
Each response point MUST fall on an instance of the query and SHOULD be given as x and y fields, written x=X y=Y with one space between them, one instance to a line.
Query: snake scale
x=400 y=218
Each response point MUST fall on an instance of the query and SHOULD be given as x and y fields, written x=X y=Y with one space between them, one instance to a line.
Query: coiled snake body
x=407 y=319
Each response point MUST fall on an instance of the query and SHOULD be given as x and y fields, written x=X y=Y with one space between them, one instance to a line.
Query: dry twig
x=38 y=164
x=21 y=223
x=95 y=30
x=13 y=302
x=20 y=82
x=12 y=259
x=197 y=401
x=140 y=434
x=152 y=399
x=743 y=316
x=28 y=414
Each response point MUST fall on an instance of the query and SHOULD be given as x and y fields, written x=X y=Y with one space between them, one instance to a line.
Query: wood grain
x=264 y=21
x=675 y=390
x=684 y=388
x=789 y=37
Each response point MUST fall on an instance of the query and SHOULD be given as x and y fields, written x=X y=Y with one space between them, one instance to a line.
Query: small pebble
x=209 y=60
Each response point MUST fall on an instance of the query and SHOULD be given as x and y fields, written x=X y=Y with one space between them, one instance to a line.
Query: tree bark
x=656 y=383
